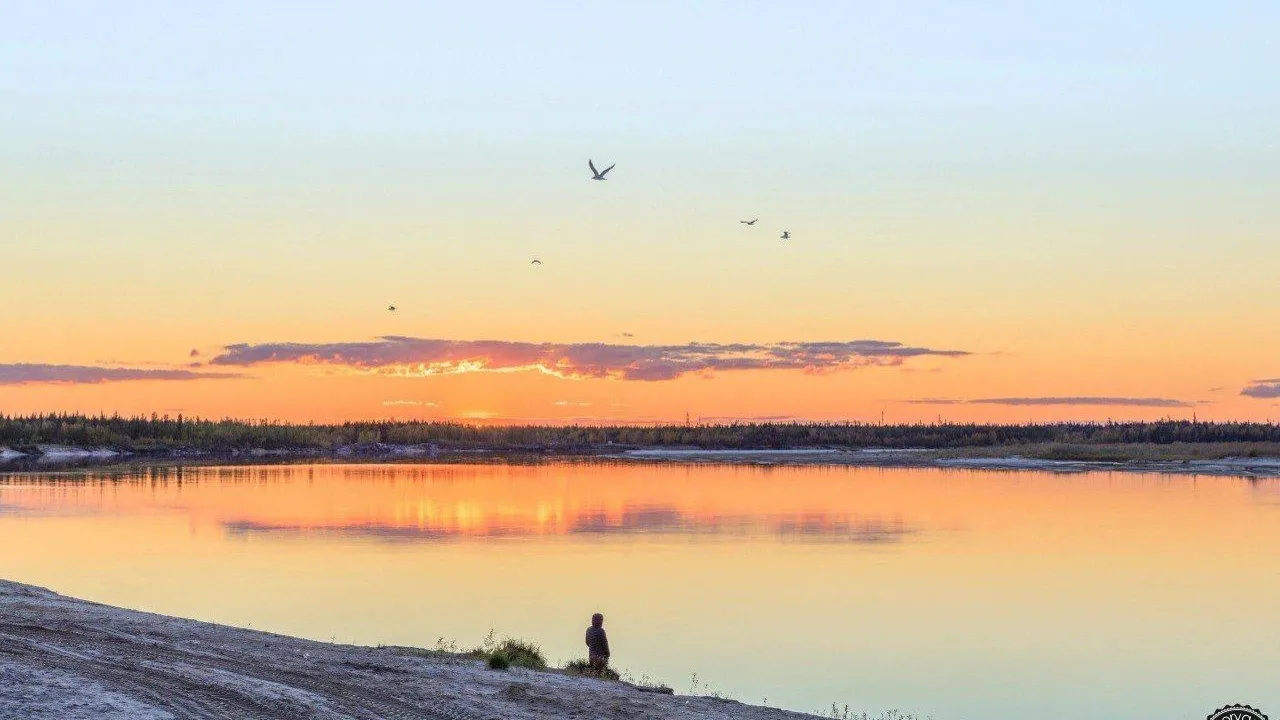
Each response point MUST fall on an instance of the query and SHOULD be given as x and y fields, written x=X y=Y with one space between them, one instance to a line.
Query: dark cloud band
x=1263 y=389
x=41 y=374
x=420 y=357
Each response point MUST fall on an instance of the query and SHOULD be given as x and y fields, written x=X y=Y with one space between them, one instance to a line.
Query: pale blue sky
x=1080 y=75
x=275 y=102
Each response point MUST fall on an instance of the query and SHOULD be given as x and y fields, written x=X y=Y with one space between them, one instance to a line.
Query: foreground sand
x=67 y=659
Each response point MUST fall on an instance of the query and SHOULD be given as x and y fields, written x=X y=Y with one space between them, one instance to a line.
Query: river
x=946 y=593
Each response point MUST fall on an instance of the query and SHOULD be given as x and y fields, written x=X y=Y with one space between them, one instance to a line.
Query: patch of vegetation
x=522 y=653
x=583 y=667
x=498 y=662
x=844 y=713
x=648 y=684
x=513 y=651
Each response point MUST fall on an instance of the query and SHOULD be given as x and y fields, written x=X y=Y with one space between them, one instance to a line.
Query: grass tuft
x=513 y=651
x=522 y=653
x=583 y=668
x=844 y=713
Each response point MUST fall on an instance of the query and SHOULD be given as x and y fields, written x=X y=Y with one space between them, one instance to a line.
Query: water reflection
x=633 y=520
x=951 y=593
x=399 y=503
x=249 y=528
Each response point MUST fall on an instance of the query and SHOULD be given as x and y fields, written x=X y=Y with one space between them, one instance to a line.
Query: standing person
x=597 y=645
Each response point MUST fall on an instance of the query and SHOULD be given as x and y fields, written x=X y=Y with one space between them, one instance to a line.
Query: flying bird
x=598 y=174
x=391 y=308
x=627 y=334
x=535 y=261
x=748 y=222
x=786 y=235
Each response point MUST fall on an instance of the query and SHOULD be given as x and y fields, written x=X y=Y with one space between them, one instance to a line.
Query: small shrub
x=498 y=662
x=583 y=668
x=511 y=651
x=522 y=653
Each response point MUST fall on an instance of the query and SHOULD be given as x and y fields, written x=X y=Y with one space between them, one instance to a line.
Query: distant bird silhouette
x=627 y=334
x=598 y=174
x=748 y=222
x=535 y=261
x=786 y=235
x=391 y=308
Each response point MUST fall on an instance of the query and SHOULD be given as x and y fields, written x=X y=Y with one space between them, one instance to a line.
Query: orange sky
x=936 y=384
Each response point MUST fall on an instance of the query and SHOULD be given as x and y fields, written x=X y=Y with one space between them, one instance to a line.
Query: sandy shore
x=979 y=458
x=1264 y=467
x=67 y=659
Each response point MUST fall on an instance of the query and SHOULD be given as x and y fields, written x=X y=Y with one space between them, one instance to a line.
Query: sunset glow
x=211 y=213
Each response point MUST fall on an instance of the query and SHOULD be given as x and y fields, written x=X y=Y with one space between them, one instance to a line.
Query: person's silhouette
x=597 y=645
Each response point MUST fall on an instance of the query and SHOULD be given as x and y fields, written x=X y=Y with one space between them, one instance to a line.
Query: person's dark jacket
x=597 y=642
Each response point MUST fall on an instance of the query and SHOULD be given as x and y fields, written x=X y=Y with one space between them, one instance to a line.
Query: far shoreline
x=1243 y=460
x=68 y=441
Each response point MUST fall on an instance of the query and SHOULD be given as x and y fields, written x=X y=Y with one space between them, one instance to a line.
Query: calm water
x=959 y=594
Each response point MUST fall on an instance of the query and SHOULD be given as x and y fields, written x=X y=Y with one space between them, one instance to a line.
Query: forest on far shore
x=162 y=432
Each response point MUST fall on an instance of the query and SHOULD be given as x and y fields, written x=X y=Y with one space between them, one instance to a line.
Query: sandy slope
x=67 y=659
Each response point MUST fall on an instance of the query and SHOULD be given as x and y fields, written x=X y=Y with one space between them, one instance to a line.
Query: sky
x=999 y=211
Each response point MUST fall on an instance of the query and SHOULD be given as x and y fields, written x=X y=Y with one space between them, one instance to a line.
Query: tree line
x=163 y=432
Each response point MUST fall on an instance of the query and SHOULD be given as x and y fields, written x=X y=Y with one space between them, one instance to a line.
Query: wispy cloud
x=1266 y=388
x=1116 y=401
x=41 y=374
x=1086 y=400
x=410 y=403
x=749 y=418
x=485 y=416
x=423 y=357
